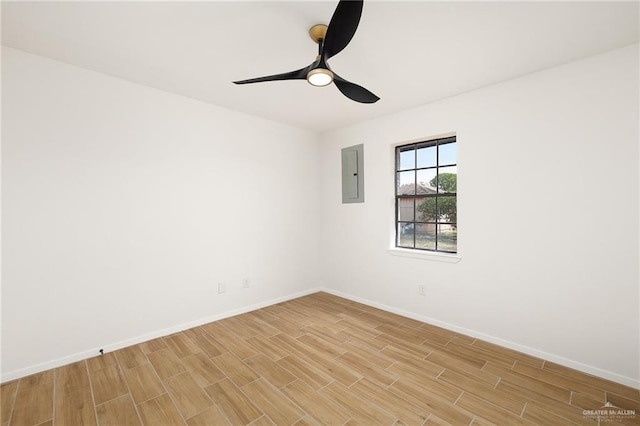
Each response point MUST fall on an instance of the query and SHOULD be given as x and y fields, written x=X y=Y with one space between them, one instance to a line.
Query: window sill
x=418 y=254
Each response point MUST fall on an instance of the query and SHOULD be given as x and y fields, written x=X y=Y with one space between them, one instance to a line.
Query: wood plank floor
x=316 y=360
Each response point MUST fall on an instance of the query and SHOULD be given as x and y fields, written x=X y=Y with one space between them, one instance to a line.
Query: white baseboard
x=59 y=362
x=595 y=371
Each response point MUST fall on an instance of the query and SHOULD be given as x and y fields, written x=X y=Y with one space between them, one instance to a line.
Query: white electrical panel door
x=353 y=174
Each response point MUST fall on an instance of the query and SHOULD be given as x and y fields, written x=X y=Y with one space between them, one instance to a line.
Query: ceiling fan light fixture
x=319 y=77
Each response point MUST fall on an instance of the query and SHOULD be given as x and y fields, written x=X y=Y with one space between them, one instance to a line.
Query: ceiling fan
x=331 y=40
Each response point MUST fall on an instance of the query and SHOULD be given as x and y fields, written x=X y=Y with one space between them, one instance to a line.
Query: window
x=426 y=184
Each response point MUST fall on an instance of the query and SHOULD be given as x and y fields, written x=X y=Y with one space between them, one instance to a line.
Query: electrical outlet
x=246 y=283
x=422 y=289
x=222 y=288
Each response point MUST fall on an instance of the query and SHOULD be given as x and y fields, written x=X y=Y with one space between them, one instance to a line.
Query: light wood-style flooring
x=316 y=360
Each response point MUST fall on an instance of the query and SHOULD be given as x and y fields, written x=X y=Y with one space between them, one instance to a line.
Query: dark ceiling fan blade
x=342 y=27
x=300 y=74
x=353 y=91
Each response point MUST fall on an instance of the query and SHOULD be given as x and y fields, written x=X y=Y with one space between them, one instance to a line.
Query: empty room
x=320 y=213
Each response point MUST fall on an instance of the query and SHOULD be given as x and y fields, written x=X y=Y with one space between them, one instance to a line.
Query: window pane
x=407 y=159
x=426 y=209
x=426 y=181
x=418 y=213
x=447 y=238
x=447 y=154
x=427 y=157
x=426 y=236
x=447 y=179
x=406 y=183
x=405 y=235
x=447 y=209
x=406 y=210
x=426 y=189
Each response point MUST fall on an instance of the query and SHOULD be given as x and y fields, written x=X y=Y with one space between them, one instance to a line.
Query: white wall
x=123 y=206
x=548 y=216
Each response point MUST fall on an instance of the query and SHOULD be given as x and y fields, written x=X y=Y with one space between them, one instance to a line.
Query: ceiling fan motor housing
x=318 y=32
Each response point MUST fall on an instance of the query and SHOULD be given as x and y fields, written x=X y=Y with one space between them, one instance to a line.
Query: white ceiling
x=408 y=53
